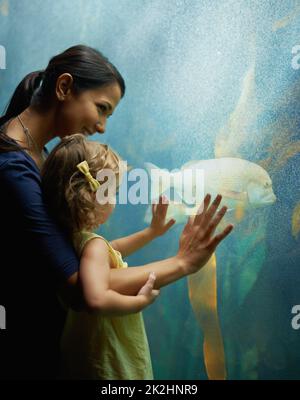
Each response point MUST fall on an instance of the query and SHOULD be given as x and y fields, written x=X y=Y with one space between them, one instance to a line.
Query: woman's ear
x=64 y=85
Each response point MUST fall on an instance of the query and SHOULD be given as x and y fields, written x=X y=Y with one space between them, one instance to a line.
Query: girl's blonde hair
x=66 y=190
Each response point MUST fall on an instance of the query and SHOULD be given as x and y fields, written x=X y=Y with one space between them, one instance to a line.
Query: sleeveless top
x=101 y=347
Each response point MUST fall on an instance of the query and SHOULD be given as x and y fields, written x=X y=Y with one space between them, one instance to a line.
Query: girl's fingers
x=153 y=208
x=161 y=207
x=163 y=200
x=150 y=282
x=152 y=276
x=169 y=224
x=155 y=292
x=164 y=207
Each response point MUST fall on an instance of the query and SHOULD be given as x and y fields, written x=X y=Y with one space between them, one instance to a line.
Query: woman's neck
x=40 y=125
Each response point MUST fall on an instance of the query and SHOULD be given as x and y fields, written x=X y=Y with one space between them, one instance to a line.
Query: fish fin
x=189 y=163
x=202 y=289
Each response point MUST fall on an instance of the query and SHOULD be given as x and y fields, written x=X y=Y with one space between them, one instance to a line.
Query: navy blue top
x=21 y=196
x=35 y=256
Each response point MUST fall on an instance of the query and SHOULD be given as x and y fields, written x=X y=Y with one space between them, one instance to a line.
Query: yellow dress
x=100 y=347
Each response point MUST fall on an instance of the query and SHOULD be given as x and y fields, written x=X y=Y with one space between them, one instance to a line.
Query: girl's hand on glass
x=147 y=290
x=197 y=243
x=158 y=224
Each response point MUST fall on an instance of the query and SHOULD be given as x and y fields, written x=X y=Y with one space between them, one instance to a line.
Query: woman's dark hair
x=89 y=68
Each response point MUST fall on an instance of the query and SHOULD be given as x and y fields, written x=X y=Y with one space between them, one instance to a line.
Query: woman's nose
x=100 y=127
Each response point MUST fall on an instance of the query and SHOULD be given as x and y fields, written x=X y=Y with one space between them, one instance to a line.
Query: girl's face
x=86 y=112
x=105 y=211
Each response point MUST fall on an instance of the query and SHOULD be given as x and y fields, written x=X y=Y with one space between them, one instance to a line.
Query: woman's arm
x=129 y=280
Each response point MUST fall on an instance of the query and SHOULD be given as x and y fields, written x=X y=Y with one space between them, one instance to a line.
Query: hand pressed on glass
x=197 y=241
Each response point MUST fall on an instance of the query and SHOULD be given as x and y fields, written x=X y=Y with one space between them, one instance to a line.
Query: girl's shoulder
x=83 y=237
x=87 y=235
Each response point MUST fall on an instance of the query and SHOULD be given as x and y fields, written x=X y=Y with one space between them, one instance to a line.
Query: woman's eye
x=101 y=108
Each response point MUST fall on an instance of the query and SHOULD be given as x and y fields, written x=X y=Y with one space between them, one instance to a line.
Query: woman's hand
x=197 y=242
x=147 y=290
x=158 y=224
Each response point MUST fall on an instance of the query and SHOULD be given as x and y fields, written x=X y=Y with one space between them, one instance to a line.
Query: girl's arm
x=95 y=278
x=129 y=244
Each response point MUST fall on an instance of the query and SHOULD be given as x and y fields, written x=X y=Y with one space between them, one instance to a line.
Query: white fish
x=242 y=184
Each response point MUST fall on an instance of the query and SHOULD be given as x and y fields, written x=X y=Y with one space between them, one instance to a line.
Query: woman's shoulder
x=12 y=155
x=17 y=158
x=20 y=178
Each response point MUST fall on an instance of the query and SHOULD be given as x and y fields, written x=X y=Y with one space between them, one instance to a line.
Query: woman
x=77 y=92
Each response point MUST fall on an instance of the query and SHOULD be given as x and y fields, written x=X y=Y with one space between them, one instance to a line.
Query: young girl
x=110 y=343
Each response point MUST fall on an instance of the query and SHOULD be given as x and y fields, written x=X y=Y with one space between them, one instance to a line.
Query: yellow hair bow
x=85 y=169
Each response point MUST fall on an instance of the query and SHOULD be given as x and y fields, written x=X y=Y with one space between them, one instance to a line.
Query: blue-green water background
x=184 y=62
